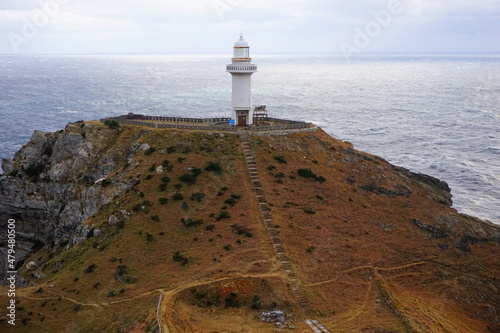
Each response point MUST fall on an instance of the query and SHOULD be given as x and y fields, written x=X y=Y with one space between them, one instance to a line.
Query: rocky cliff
x=225 y=226
x=52 y=186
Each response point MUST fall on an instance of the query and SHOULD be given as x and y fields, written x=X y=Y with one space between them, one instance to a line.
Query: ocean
x=434 y=114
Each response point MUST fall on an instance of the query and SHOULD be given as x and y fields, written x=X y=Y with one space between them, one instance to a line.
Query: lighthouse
x=241 y=71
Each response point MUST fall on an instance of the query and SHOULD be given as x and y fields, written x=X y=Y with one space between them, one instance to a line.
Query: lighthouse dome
x=241 y=42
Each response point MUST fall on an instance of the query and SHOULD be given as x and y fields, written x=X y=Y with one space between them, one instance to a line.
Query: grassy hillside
x=375 y=247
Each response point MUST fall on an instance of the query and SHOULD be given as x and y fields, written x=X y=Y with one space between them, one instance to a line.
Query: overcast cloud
x=211 y=26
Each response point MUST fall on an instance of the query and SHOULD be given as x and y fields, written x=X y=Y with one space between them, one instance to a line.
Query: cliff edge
x=224 y=226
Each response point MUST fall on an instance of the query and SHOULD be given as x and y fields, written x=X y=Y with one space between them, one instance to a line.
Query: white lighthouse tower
x=241 y=70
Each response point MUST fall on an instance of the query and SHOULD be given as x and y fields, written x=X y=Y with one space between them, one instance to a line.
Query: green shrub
x=242 y=230
x=280 y=159
x=90 y=268
x=162 y=187
x=231 y=201
x=231 y=303
x=310 y=249
x=196 y=172
x=319 y=197
x=188 y=179
x=152 y=168
x=13 y=173
x=214 y=166
x=163 y=201
x=223 y=215
x=210 y=227
x=309 y=211
x=149 y=237
x=306 y=173
x=177 y=196
x=112 y=124
x=227 y=247
x=148 y=177
x=178 y=257
x=165 y=179
x=198 y=196
x=320 y=179
x=188 y=222
x=256 y=303
x=155 y=218
x=34 y=170
x=150 y=151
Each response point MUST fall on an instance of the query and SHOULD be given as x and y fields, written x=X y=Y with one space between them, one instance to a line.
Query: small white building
x=241 y=70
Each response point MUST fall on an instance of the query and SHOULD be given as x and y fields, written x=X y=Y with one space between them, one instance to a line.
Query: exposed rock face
x=51 y=188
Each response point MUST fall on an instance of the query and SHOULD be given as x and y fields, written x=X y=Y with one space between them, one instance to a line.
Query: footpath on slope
x=286 y=266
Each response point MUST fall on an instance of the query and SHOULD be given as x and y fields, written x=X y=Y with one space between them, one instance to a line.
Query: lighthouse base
x=242 y=117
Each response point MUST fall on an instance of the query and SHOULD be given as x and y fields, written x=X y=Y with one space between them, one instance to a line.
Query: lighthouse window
x=246 y=53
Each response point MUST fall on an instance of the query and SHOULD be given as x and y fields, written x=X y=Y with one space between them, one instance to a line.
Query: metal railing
x=212 y=124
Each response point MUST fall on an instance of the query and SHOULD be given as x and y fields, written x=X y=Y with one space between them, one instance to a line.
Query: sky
x=270 y=26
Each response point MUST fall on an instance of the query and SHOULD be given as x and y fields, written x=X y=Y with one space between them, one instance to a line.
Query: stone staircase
x=265 y=209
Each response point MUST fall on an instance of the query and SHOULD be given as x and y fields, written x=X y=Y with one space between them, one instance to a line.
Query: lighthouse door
x=242 y=120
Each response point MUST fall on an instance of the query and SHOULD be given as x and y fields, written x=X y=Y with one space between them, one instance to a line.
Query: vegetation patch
x=242 y=230
x=177 y=196
x=90 y=268
x=121 y=274
x=223 y=215
x=150 y=151
x=178 y=257
x=309 y=211
x=280 y=159
x=233 y=200
x=308 y=173
x=197 y=197
x=112 y=124
x=188 y=222
x=190 y=178
x=34 y=170
x=214 y=167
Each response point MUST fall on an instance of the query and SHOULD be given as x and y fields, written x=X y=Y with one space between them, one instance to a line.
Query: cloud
x=275 y=26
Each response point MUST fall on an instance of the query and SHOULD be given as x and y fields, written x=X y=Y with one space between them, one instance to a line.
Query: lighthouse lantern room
x=241 y=71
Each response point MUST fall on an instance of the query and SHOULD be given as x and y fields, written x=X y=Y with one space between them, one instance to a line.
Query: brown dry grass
x=359 y=258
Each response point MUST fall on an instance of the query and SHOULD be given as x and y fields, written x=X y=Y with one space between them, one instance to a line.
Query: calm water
x=433 y=114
